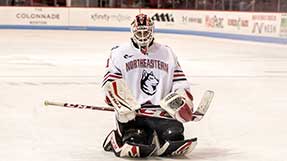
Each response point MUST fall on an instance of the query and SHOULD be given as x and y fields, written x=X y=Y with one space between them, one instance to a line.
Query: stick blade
x=203 y=105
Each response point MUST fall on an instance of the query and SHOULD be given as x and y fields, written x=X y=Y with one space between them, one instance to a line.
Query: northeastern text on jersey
x=146 y=63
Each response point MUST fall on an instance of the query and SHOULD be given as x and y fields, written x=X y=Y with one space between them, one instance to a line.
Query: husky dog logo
x=149 y=83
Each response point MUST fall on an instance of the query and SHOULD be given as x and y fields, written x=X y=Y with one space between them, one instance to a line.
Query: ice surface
x=246 y=121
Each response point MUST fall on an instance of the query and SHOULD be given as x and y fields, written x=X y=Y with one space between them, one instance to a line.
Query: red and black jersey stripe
x=109 y=77
x=178 y=75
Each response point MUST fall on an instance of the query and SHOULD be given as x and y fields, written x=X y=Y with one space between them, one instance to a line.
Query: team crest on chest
x=149 y=83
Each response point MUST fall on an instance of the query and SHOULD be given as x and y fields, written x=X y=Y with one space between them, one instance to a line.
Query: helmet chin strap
x=143 y=49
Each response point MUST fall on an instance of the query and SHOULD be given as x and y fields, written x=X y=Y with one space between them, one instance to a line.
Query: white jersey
x=151 y=76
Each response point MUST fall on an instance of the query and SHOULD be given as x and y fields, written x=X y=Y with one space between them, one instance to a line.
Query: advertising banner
x=237 y=23
x=177 y=19
x=34 y=16
x=173 y=21
x=102 y=17
x=265 y=24
x=283 y=25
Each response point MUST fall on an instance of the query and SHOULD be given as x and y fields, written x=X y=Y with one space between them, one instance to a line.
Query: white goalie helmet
x=142 y=29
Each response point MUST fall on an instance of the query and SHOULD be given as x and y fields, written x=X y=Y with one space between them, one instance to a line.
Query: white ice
x=246 y=120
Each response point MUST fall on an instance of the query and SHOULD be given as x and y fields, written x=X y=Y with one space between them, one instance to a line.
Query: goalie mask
x=142 y=29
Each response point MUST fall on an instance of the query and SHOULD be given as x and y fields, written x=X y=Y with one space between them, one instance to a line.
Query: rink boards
x=255 y=26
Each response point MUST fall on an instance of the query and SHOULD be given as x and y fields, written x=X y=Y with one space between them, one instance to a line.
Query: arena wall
x=252 y=26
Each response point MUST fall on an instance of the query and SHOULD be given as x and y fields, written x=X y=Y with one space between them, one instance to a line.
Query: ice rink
x=246 y=120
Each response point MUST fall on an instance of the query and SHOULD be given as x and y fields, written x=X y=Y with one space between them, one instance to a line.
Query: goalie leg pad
x=127 y=149
x=135 y=135
x=137 y=150
x=113 y=135
x=173 y=132
x=176 y=148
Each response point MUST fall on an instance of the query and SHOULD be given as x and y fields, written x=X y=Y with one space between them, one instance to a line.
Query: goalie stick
x=80 y=106
x=197 y=115
x=203 y=105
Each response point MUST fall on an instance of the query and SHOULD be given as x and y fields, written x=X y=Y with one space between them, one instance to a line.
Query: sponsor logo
x=186 y=19
x=261 y=27
x=127 y=56
x=214 y=21
x=238 y=23
x=264 y=24
x=38 y=16
x=264 y=17
x=149 y=83
x=110 y=18
x=44 y=16
x=283 y=25
x=163 y=17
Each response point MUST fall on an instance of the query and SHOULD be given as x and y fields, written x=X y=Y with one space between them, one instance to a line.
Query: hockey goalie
x=151 y=96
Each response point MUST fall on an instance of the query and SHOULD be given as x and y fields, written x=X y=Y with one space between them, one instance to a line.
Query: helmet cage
x=142 y=29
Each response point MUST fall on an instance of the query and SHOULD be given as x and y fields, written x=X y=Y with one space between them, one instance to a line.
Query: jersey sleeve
x=179 y=78
x=112 y=70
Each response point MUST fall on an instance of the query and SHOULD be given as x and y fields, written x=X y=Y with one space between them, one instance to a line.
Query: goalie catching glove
x=178 y=105
x=122 y=100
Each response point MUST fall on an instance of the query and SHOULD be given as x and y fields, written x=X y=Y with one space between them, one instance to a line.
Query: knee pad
x=173 y=133
x=136 y=135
